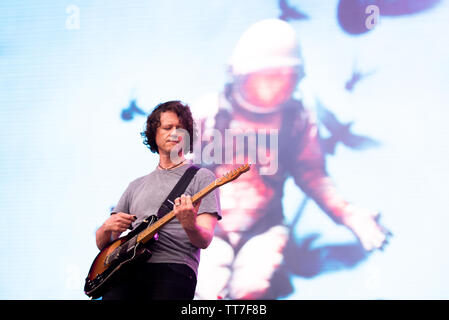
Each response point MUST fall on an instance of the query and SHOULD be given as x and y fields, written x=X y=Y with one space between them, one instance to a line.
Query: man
x=171 y=271
x=265 y=69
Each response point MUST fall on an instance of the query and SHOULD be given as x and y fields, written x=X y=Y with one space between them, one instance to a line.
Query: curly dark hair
x=154 y=121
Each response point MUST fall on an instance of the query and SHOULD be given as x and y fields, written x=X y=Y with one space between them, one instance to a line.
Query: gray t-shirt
x=145 y=195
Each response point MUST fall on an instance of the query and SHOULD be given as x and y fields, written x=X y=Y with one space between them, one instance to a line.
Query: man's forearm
x=198 y=227
x=200 y=230
x=199 y=236
x=103 y=236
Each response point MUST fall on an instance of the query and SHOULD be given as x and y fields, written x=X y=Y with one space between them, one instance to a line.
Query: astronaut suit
x=265 y=69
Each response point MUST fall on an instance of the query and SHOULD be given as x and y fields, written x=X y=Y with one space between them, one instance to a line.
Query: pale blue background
x=66 y=156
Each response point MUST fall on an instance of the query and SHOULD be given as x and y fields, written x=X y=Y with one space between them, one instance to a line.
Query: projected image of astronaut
x=250 y=244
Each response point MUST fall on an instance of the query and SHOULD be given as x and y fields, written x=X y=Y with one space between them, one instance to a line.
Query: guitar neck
x=152 y=229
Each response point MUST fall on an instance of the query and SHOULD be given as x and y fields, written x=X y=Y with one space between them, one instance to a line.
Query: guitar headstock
x=232 y=175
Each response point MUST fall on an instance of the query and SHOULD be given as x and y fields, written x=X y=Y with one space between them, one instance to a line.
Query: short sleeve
x=211 y=202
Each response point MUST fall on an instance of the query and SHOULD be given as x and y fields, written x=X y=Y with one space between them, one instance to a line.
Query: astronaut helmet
x=265 y=66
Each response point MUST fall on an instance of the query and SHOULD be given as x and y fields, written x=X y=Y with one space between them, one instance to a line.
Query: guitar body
x=114 y=257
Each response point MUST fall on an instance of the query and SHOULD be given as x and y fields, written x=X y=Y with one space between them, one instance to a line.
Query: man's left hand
x=186 y=212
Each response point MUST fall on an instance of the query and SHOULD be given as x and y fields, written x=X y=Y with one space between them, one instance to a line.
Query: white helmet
x=266 y=44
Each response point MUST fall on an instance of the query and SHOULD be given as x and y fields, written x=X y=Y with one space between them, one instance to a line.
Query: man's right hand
x=119 y=222
x=113 y=227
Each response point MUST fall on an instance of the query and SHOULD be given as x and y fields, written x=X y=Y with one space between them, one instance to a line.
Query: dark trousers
x=153 y=281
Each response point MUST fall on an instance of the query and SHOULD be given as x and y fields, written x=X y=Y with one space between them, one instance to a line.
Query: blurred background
x=77 y=78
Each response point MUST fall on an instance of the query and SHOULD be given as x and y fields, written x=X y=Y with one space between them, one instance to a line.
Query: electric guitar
x=133 y=247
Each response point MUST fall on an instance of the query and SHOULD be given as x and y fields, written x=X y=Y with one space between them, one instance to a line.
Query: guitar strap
x=177 y=191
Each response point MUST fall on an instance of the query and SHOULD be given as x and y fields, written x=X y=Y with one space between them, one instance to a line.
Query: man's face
x=168 y=134
x=269 y=88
